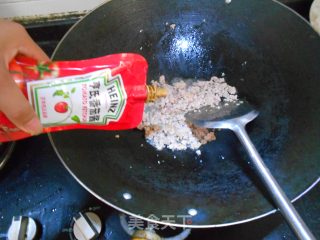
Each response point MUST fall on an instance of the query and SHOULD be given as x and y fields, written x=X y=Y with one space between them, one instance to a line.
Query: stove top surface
x=35 y=184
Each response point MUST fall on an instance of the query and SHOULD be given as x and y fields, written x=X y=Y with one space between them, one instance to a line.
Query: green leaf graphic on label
x=58 y=93
x=73 y=90
x=66 y=95
x=75 y=118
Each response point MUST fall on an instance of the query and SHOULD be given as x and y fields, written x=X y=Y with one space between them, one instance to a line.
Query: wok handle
x=280 y=199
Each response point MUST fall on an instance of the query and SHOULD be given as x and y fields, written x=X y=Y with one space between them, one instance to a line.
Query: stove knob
x=87 y=226
x=22 y=228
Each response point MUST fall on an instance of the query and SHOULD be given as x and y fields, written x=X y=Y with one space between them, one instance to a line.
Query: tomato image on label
x=17 y=74
x=42 y=70
x=61 y=107
x=48 y=70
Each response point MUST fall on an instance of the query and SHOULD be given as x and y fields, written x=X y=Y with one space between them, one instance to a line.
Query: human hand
x=14 y=40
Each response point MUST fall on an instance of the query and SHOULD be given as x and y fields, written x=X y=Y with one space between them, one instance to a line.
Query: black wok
x=269 y=53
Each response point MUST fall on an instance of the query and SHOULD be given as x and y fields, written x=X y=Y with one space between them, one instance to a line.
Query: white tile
x=23 y=8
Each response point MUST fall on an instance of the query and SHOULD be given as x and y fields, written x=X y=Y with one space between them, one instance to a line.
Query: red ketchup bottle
x=105 y=93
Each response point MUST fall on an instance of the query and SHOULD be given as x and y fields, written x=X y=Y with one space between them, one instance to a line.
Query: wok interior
x=265 y=51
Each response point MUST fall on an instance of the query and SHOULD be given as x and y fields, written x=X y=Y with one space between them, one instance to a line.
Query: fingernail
x=33 y=127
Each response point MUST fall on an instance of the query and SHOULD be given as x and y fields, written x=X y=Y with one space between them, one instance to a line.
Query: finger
x=15 y=106
x=31 y=49
x=21 y=42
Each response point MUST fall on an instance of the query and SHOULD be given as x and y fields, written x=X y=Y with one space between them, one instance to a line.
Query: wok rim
x=7 y=154
x=311 y=186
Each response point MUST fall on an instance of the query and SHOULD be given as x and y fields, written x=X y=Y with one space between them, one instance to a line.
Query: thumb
x=15 y=106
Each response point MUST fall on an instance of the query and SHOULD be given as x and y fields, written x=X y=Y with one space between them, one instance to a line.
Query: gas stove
x=41 y=199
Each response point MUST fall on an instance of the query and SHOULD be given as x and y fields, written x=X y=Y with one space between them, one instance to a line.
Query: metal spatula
x=235 y=116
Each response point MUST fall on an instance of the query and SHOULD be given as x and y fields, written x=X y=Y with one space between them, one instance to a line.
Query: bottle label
x=93 y=98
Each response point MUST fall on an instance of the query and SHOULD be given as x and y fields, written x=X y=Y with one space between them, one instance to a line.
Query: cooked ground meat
x=164 y=122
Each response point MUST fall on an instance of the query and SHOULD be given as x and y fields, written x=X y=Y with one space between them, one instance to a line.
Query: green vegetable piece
x=59 y=93
x=75 y=118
